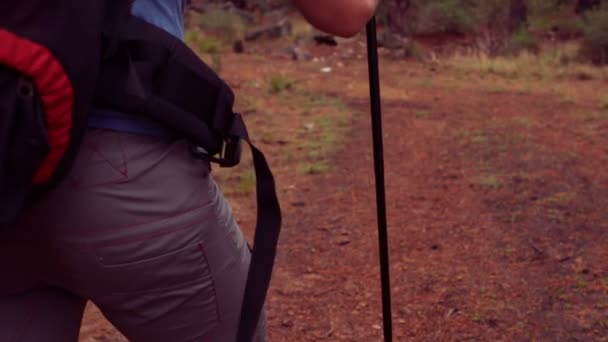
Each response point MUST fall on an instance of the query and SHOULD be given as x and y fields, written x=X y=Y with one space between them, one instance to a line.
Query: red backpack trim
x=55 y=89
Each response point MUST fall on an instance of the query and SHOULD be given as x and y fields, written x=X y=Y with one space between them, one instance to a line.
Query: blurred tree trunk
x=396 y=16
x=518 y=15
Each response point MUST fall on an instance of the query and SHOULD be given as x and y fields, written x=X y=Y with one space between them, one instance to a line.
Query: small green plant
x=560 y=198
x=289 y=156
x=325 y=121
x=488 y=181
x=209 y=45
x=421 y=114
x=480 y=139
x=198 y=41
x=279 y=84
x=315 y=168
x=415 y=51
x=521 y=40
x=246 y=182
x=309 y=100
x=478 y=318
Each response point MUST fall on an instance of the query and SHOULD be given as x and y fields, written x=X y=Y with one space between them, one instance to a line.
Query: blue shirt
x=169 y=16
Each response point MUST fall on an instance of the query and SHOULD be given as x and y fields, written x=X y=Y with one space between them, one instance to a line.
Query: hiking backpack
x=59 y=58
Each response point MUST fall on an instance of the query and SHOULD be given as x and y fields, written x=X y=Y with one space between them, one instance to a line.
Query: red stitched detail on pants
x=93 y=149
x=121 y=169
x=217 y=306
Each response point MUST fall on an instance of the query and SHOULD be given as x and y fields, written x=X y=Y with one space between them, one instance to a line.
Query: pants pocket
x=162 y=298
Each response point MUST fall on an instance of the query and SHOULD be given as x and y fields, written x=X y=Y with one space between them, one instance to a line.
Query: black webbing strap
x=265 y=240
x=153 y=74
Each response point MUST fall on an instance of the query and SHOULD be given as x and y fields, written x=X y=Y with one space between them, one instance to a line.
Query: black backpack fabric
x=49 y=63
x=59 y=58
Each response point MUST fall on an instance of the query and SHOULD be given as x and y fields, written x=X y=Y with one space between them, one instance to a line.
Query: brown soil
x=497 y=193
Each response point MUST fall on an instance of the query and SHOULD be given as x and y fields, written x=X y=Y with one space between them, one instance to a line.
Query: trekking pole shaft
x=374 y=87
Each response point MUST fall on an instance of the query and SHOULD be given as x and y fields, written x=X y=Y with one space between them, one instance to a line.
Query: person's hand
x=344 y=18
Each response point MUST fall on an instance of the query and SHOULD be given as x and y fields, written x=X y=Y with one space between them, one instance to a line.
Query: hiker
x=139 y=226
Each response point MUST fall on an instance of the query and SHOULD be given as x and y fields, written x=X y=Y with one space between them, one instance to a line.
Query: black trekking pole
x=374 y=91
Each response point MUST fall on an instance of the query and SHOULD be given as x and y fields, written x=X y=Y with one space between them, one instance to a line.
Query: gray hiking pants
x=141 y=229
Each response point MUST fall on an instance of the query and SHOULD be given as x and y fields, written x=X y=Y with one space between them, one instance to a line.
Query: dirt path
x=497 y=224
x=497 y=195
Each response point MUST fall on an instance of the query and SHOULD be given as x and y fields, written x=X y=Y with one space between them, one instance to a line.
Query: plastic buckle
x=229 y=156
x=231 y=152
